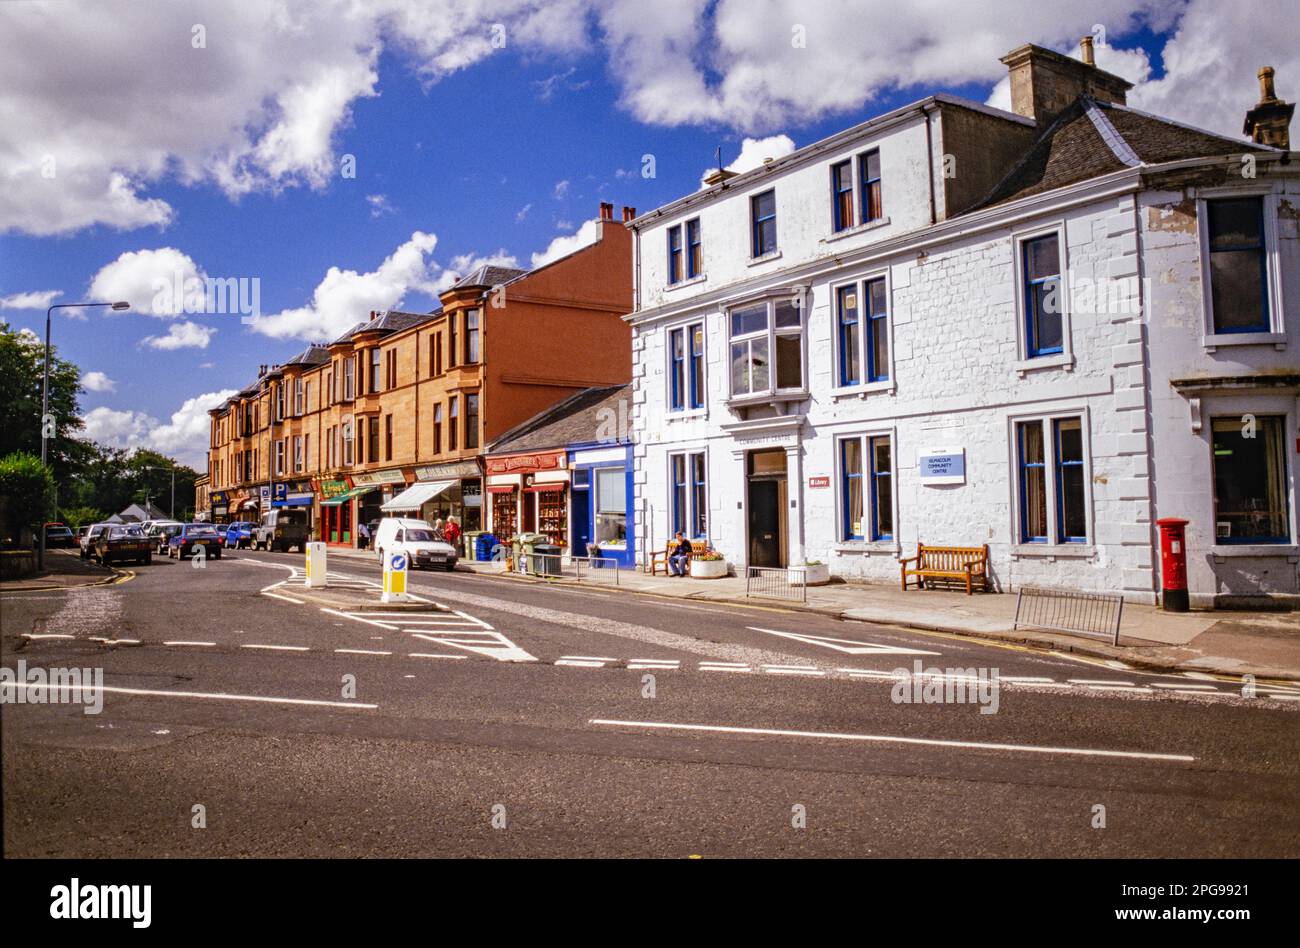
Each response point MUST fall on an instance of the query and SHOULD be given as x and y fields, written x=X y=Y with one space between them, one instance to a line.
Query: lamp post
x=152 y=467
x=45 y=396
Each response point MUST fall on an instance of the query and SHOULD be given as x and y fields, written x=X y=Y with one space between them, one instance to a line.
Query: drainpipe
x=929 y=155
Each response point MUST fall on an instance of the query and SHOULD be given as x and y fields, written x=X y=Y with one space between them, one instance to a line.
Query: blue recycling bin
x=483 y=547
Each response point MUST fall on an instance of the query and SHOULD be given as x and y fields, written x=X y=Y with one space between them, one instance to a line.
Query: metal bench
x=968 y=564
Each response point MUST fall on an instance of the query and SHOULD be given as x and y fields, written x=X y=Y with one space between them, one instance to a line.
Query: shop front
x=220 y=500
x=379 y=487
x=441 y=491
x=297 y=494
x=600 y=503
x=336 y=521
x=530 y=494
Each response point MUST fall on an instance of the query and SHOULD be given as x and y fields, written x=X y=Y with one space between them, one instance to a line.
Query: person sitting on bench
x=680 y=557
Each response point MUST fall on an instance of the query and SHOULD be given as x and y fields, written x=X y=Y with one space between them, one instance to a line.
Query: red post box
x=1173 y=564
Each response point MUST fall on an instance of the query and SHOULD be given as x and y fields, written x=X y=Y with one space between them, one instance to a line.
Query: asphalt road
x=541 y=721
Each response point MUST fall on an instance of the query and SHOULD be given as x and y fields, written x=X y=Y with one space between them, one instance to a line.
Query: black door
x=764 y=523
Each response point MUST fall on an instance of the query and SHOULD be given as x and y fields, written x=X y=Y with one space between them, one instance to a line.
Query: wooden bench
x=963 y=563
x=659 y=558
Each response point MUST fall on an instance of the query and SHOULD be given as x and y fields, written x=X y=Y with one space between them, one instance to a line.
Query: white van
x=417 y=540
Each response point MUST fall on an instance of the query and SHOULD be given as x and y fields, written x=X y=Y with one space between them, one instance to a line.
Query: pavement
x=515 y=718
x=1227 y=642
x=64 y=569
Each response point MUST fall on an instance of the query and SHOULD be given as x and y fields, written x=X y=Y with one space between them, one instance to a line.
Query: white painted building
x=959 y=325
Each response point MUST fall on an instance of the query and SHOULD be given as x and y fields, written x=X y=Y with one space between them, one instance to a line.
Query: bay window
x=759 y=332
x=471 y=337
x=374 y=370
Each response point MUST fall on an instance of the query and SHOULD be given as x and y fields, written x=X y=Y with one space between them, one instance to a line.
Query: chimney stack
x=1269 y=122
x=606 y=211
x=717 y=176
x=628 y=213
x=1045 y=83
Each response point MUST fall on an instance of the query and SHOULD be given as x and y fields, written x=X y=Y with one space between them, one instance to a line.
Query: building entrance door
x=580 y=514
x=766 y=493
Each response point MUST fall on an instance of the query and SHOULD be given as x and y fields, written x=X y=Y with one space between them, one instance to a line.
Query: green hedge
x=26 y=495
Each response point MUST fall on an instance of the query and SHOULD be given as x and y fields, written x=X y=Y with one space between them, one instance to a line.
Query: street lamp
x=151 y=467
x=45 y=395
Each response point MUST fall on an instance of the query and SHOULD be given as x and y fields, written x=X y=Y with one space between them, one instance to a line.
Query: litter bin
x=545 y=560
x=484 y=544
x=524 y=544
x=469 y=544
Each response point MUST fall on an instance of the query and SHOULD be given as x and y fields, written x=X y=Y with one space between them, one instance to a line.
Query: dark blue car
x=239 y=535
x=192 y=536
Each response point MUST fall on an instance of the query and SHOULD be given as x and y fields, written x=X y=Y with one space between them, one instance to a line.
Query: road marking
x=285 y=598
x=359 y=651
x=199 y=644
x=1278 y=696
x=893 y=739
x=1026 y=680
x=849 y=646
x=280 y=648
x=590 y=658
x=221 y=696
x=47 y=635
x=459 y=658
x=579 y=663
x=1099 y=681
x=1166 y=684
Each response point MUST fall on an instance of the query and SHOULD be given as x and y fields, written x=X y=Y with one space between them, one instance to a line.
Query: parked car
x=417 y=539
x=281 y=528
x=122 y=542
x=88 y=541
x=159 y=532
x=239 y=535
x=190 y=537
x=58 y=534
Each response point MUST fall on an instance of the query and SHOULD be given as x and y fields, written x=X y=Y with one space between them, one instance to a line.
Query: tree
x=26 y=496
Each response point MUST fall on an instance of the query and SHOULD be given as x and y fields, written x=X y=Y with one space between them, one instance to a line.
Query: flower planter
x=818 y=574
x=708 y=569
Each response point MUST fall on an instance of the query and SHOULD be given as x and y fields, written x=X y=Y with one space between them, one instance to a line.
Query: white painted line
x=200 y=644
x=280 y=648
x=717 y=664
x=806 y=672
x=148 y=692
x=590 y=658
x=1200 y=676
x=580 y=664
x=1042 y=684
x=1025 y=680
x=459 y=658
x=1116 y=663
x=870 y=673
x=360 y=651
x=1164 y=684
x=116 y=641
x=1199 y=694
x=1127 y=689
x=891 y=739
x=851 y=646
x=743 y=669
x=1098 y=681
x=1278 y=696
x=47 y=635
x=285 y=598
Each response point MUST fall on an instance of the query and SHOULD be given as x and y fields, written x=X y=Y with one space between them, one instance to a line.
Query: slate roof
x=314 y=354
x=1091 y=139
x=576 y=420
x=488 y=275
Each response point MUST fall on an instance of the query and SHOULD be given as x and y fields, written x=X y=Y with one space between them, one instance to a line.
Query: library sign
x=942 y=466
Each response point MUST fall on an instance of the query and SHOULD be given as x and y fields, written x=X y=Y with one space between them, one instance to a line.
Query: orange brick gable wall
x=561 y=329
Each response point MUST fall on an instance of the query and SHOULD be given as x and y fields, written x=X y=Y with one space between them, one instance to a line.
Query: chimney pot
x=606 y=211
x=1269 y=122
x=1266 y=92
x=1085 y=48
x=628 y=213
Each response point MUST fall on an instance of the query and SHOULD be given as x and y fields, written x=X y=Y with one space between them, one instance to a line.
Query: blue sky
x=497 y=152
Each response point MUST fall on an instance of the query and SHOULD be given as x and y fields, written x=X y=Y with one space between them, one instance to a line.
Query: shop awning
x=546 y=488
x=417 y=495
x=346 y=496
x=500 y=488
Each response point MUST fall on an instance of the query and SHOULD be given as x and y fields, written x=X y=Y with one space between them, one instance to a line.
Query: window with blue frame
x=869 y=174
x=1050 y=460
x=688 y=494
x=696 y=333
x=694 y=249
x=1071 y=515
x=677 y=369
x=674 y=254
x=762 y=213
x=1251 y=484
x=867 y=488
x=851 y=488
x=882 y=488
x=846 y=304
x=877 y=322
x=1238 y=265
x=842 y=195
x=1041 y=267
x=1033 y=481
x=699 y=498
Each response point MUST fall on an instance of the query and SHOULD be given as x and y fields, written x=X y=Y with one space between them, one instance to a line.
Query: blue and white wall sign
x=942 y=466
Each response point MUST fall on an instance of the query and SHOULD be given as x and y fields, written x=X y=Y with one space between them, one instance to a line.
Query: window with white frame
x=862 y=317
x=686 y=367
x=279 y=401
x=347 y=442
x=279 y=457
x=1051 y=482
x=1250 y=479
x=297 y=453
x=298 y=396
x=688 y=501
x=349 y=377
x=611 y=506
x=1040 y=269
x=1238 y=265
x=763 y=332
x=866 y=465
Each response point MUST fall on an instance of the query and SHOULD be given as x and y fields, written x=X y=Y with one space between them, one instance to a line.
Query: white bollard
x=317 y=566
x=395 y=565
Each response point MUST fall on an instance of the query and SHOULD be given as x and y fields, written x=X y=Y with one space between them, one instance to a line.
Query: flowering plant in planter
x=708 y=556
x=708 y=565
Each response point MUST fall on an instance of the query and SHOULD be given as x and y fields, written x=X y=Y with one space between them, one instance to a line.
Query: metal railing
x=543 y=564
x=771 y=582
x=1063 y=610
x=596 y=569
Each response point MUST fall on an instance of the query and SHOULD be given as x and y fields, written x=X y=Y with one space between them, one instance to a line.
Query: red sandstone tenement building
x=393 y=416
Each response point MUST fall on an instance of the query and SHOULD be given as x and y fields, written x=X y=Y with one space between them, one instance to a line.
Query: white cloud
x=754 y=151
x=97 y=382
x=561 y=190
x=182 y=335
x=380 y=205
x=148 y=280
x=566 y=244
x=184 y=436
x=343 y=297
x=37 y=299
x=522 y=213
